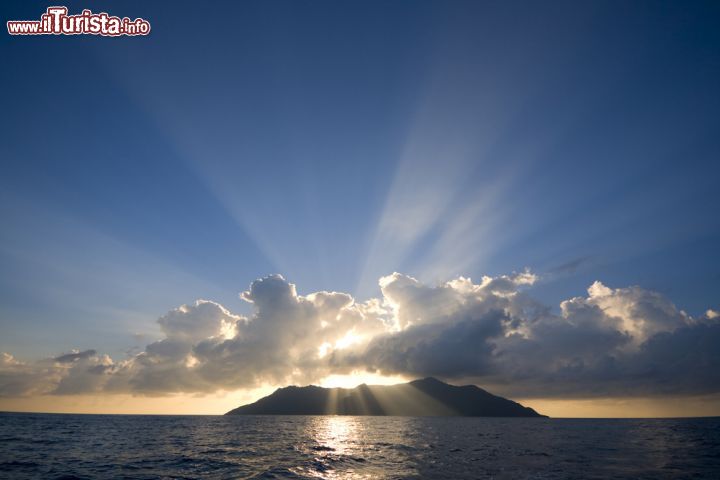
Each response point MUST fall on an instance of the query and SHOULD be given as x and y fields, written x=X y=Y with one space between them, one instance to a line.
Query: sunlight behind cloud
x=355 y=378
x=351 y=338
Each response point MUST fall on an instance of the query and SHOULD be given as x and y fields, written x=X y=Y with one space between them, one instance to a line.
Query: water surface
x=333 y=447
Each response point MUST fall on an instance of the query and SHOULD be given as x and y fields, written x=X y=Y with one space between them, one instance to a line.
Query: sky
x=518 y=195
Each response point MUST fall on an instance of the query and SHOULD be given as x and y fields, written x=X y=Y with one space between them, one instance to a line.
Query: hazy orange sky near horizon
x=125 y=404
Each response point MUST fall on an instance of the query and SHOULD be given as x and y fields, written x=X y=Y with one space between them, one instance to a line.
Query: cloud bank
x=611 y=342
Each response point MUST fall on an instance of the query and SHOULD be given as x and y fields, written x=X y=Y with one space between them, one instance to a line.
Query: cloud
x=74 y=372
x=610 y=342
x=207 y=348
x=202 y=320
x=75 y=356
x=20 y=379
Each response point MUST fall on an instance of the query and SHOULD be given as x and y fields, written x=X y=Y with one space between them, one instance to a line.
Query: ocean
x=47 y=446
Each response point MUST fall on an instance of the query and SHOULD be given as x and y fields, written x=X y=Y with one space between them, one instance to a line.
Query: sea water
x=48 y=446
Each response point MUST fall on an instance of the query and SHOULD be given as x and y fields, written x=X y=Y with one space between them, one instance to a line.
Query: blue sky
x=337 y=142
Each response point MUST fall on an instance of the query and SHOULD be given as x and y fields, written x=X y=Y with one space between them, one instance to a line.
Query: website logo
x=56 y=21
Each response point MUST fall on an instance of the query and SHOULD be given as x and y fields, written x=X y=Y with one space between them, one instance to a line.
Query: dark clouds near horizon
x=609 y=343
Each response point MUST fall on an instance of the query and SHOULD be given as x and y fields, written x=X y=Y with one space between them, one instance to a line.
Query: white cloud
x=612 y=341
x=199 y=321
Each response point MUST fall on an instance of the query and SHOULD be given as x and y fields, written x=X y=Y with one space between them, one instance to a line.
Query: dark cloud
x=74 y=356
x=461 y=349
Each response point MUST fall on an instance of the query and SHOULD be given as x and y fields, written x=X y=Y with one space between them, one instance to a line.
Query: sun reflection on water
x=338 y=446
x=337 y=433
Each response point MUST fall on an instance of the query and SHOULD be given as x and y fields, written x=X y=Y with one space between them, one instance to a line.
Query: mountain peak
x=429 y=381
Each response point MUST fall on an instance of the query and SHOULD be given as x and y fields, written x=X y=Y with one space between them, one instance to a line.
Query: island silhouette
x=423 y=397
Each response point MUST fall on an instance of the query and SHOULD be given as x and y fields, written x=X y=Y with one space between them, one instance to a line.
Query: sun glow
x=356 y=378
x=350 y=338
x=323 y=349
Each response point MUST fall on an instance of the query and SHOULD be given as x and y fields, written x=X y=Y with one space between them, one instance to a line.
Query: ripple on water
x=135 y=447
